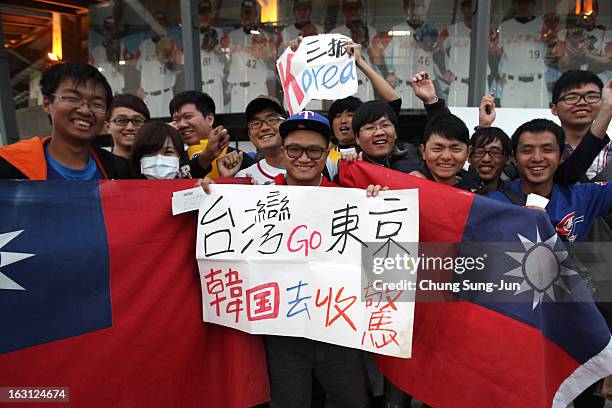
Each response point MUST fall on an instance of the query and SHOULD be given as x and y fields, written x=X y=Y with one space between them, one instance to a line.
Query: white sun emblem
x=7 y=258
x=541 y=267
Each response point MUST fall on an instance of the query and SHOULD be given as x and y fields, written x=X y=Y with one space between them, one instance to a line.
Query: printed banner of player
x=286 y=261
x=319 y=69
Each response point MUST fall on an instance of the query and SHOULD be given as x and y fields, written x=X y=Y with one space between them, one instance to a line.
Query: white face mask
x=159 y=167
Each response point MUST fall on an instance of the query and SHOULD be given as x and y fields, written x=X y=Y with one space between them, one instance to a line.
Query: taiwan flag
x=99 y=293
x=541 y=347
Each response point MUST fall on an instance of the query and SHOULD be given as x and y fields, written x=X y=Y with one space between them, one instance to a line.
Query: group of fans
x=527 y=53
x=560 y=163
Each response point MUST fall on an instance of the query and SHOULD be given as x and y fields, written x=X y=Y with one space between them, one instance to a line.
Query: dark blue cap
x=306 y=120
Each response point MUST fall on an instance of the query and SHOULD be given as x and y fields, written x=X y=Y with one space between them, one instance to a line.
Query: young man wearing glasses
x=264 y=114
x=577 y=100
x=126 y=114
x=294 y=361
x=76 y=97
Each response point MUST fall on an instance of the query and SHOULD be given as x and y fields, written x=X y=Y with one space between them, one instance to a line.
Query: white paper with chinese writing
x=286 y=260
x=319 y=69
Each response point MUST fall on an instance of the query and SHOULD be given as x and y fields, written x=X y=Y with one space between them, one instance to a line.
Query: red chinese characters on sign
x=215 y=287
x=341 y=306
x=380 y=332
x=263 y=301
x=218 y=289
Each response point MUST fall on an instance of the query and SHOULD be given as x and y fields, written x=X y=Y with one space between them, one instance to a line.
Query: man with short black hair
x=491 y=150
x=445 y=148
x=76 y=97
x=537 y=149
x=126 y=114
x=578 y=97
x=193 y=114
x=294 y=361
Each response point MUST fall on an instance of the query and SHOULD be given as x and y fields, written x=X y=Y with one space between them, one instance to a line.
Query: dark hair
x=151 y=137
x=349 y=104
x=539 y=126
x=448 y=126
x=203 y=102
x=128 y=101
x=80 y=73
x=370 y=112
x=485 y=135
x=572 y=79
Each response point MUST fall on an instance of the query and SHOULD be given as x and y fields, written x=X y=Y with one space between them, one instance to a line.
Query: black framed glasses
x=493 y=153
x=258 y=123
x=122 y=121
x=75 y=102
x=573 y=98
x=295 y=151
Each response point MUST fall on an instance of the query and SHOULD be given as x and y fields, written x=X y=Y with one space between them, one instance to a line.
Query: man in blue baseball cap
x=305 y=139
x=293 y=361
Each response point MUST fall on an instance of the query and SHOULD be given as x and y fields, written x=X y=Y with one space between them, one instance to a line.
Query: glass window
x=531 y=44
x=137 y=45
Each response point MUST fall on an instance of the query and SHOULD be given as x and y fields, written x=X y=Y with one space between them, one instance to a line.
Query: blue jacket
x=571 y=209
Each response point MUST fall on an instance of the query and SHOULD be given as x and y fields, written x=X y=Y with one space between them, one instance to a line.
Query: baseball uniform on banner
x=456 y=44
x=115 y=78
x=156 y=79
x=213 y=65
x=247 y=72
x=344 y=30
x=590 y=40
x=405 y=57
x=522 y=64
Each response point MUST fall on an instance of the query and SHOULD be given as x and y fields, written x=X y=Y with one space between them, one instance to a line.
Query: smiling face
x=377 y=139
x=192 y=125
x=537 y=157
x=580 y=114
x=341 y=126
x=489 y=160
x=79 y=124
x=304 y=171
x=444 y=157
x=266 y=138
x=123 y=135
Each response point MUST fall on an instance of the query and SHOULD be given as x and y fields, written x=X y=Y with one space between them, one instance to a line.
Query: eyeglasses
x=75 y=102
x=371 y=129
x=295 y=151
x=122 y=121
x=493 y=153
x=257 y=124
x=573 y=98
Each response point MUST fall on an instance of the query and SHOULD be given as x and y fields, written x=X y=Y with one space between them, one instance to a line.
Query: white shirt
x=212 y=65
x=404 y=55
x=244 y=65
x=155 y=76
x=262 y=172
x=523 y=50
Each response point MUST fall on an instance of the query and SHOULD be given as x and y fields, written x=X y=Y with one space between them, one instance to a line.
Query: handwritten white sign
x=319 y=69
x=286 y=260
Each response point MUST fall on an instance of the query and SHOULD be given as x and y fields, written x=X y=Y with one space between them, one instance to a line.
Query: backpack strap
x=512 y=195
